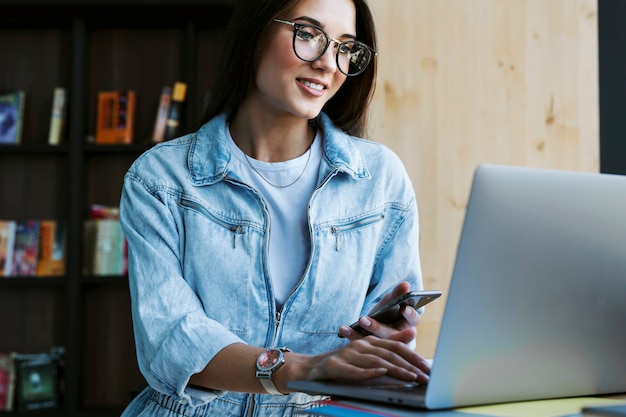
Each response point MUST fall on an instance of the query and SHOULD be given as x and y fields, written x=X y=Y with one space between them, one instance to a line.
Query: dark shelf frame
x=189 y=27
x=612 y=67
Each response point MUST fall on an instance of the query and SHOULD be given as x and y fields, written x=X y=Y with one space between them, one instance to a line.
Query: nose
x=328 y=61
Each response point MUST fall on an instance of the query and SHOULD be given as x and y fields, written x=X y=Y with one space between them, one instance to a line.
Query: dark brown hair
x=348 y=108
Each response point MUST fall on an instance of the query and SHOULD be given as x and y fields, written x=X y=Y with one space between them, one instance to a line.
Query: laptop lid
x=537 y=303
x=536 y=307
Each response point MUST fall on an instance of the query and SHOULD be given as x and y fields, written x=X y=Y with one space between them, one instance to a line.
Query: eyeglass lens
x=310 y=43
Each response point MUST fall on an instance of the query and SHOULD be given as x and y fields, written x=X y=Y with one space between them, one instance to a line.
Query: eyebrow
x=319 y=24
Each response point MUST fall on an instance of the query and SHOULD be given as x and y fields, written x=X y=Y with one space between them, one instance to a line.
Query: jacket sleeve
x=174 y=337
x=399 y=261
x=399 y=255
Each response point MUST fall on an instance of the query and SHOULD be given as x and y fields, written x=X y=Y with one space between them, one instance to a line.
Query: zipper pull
x=279 y=316
x=237 y=230
x=335 y=231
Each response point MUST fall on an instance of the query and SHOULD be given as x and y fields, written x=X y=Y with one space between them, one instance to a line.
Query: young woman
x=254 y=240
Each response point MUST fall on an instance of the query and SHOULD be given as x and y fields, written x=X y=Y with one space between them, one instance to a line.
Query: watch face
x=269 y=358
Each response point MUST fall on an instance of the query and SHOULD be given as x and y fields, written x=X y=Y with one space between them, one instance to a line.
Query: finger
x=348 y=363
x=400 y=361
x=348 y=372
x=401 y=288
x=405 y=336
x=411 y=316
x=349 y=333
x=401 y=330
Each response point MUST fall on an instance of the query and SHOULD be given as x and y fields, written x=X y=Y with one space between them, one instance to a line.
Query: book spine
x=158 y=134
x=11 y=116
x=7 y=381
x=105 y=246
x=116 y=113
x=7 y=244
x=172 y=128
x=26 y=248
x=52 y=236
x=57 y=117
x=109 y=248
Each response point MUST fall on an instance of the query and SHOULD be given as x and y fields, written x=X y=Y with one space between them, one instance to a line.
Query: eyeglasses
x=311 y=42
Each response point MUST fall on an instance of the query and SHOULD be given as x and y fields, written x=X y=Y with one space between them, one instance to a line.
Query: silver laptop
x=536 y=307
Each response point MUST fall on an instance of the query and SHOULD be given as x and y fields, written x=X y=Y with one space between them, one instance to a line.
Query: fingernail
x=365 y=322
x=345 y=330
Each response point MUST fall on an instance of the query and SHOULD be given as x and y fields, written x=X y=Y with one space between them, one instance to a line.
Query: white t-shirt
x=289 y=236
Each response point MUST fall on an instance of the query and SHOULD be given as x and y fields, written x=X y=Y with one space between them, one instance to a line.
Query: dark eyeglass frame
x=298 y=26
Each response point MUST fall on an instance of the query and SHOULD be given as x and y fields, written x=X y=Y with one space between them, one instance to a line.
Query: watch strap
x=268 y=385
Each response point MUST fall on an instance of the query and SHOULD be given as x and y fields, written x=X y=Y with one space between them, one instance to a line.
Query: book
x=101 y=211
x=11 y=116
x=335 y=408
x=613 y=410
x=37 y=381
x=52 y=248
x=57 y=116
x=105 y=247
x=7 y=380
x=163 y=111
x=26 y=248
x=172 y=126
x=7 y=244
x=115 y=118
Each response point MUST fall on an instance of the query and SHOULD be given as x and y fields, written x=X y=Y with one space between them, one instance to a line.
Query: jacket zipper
x=236 y=229
x=337 y=230
x=328 y=177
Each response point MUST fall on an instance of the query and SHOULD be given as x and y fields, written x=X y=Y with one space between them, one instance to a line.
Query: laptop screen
x=541 y=275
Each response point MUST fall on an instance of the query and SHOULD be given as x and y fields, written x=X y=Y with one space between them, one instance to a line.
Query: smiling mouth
x=312 y=85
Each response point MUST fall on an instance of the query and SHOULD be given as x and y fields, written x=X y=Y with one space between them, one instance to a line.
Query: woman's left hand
x=402 y=330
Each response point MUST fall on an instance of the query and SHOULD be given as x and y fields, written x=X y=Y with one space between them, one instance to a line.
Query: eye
x=348 y=47
x=307 y=33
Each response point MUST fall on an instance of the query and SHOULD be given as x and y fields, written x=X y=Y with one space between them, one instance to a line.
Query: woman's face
x=286 y=84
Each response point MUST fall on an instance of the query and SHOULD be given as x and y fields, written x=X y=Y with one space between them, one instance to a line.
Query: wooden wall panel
x=463 y=82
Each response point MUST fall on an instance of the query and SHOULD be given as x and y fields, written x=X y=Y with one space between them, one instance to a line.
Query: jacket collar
x=209 y=155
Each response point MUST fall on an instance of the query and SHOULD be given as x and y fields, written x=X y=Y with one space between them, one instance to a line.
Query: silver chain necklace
x=276 y=185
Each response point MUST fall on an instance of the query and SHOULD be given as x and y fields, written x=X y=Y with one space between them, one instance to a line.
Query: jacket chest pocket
x=221 y=259
x=344 y=265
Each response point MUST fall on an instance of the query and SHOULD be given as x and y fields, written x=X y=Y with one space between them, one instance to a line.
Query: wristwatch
x=267 y=363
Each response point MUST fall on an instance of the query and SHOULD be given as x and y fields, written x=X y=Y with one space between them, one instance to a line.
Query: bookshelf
x=95 y=45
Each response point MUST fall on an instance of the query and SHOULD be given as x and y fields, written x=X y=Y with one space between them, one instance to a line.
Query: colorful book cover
x=115 y=118
x=57 y=116
x=52 y=241
x=26 y=248
x=7 y=380
x=11 y=115
x=7 y=244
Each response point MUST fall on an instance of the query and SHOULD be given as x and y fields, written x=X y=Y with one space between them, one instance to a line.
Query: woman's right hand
x=368 y=358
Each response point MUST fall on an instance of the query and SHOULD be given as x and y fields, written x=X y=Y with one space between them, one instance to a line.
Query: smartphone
x=390 y=312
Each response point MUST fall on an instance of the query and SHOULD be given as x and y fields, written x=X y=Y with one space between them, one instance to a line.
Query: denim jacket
x=198 y=269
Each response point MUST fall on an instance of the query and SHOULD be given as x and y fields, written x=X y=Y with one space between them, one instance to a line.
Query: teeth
x=313 y=85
